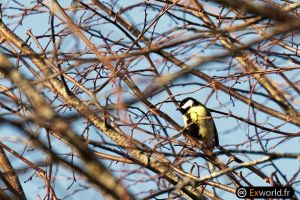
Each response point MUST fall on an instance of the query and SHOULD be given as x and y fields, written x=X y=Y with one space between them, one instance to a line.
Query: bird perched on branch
x=199 y=122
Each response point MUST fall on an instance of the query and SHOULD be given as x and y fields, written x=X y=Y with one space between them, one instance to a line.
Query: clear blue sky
x=228 y=134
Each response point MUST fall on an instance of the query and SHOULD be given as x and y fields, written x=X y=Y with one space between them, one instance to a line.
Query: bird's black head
x=186 y=104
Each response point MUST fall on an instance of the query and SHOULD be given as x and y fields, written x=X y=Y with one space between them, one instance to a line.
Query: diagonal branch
x=45 y=116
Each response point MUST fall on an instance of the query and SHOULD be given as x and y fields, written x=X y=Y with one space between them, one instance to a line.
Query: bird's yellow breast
x=195 y=113
x=198 y=115
x=200 y=124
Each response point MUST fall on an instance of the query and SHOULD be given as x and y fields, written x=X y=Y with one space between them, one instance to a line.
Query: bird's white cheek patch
x=188 y=104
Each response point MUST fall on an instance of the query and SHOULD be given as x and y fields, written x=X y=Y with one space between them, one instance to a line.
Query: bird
x=199 y=122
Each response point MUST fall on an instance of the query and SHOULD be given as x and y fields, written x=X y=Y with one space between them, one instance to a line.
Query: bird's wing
x=216 y=137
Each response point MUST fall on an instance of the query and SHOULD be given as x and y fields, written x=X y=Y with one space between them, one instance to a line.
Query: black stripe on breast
x=193 y=128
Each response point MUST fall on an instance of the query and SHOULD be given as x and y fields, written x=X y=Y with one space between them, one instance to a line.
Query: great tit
x=199 y=122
